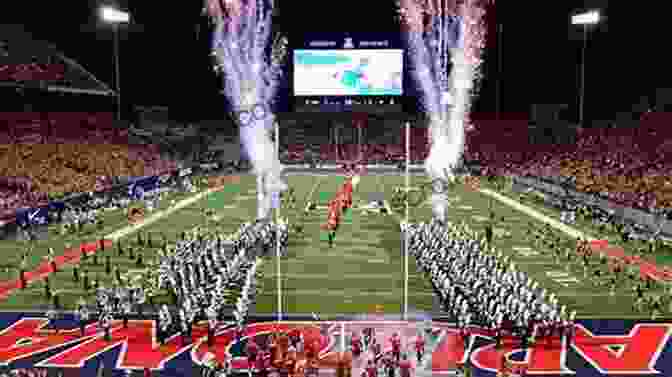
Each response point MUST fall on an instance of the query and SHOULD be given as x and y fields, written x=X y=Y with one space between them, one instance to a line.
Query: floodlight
x=588 y=18
x=114 y=16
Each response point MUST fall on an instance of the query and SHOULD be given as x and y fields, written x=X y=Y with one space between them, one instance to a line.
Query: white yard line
x=537 y=215
x=130 y=229
x=320 y=178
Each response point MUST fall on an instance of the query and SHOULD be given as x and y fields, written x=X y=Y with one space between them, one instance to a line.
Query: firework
x=445 y=40
x=251 y=72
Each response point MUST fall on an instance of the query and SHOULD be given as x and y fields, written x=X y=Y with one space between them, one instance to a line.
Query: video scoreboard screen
x=344 y=72
x=348 y=72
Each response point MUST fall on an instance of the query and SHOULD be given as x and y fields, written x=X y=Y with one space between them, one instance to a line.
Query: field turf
x=363 y=268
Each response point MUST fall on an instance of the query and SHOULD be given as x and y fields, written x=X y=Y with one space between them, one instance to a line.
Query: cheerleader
x=396 y=346
x=419 y=347
x=252 y=351
x=106 y=322
x=355 y=344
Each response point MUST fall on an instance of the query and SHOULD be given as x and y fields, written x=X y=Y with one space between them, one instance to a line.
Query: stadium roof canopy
x=26 y=62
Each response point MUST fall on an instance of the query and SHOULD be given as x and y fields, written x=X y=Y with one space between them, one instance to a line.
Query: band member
x=184 y=327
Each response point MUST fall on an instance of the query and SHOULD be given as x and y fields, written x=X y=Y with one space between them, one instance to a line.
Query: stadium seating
x=65 y=152
x=630 y=166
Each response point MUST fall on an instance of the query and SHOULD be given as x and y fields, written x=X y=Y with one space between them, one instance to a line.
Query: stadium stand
x=626 y=165
x=45 y=153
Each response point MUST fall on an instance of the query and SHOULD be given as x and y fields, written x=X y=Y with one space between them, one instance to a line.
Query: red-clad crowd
x=40 y=157
x=629 y=165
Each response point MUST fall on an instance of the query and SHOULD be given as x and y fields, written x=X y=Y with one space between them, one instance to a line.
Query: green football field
x=363 y=269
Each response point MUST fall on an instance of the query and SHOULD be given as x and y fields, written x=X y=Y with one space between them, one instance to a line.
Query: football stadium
x=380 y=224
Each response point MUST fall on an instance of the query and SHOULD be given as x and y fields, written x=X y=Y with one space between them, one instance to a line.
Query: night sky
x=164 y=53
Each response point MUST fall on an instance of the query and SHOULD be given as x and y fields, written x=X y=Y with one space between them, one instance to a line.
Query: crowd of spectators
x=59 y=164
x=626 y=165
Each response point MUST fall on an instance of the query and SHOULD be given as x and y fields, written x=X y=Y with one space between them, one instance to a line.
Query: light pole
x=585 y=19
x=115 y=17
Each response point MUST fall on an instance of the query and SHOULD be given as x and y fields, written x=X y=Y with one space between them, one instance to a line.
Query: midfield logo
x=641 y=349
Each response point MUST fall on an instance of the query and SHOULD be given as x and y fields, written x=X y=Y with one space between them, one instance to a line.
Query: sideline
x=537 y=215
x=130 y=229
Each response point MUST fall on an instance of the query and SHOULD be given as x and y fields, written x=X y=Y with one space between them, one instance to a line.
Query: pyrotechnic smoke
x=251 y=72
x=444 y=36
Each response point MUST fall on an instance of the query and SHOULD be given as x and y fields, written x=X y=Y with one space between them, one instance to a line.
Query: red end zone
x=639 y=349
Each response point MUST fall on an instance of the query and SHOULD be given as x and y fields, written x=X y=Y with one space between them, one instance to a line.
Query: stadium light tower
x=585 y=19
x=116 y=17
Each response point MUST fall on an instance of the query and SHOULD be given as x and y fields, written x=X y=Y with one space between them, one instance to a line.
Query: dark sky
x=165 y=61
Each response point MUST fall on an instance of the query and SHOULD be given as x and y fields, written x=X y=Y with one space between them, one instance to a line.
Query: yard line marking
x=536 y=215
x=130 y=229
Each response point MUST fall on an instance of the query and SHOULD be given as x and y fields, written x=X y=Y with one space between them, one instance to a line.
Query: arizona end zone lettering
x=641 y=349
